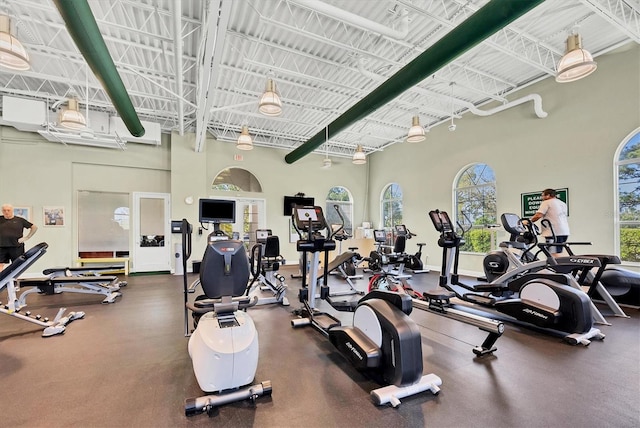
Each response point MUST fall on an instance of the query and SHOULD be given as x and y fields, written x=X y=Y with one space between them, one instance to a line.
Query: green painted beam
x=84 y=30
x=494 y=16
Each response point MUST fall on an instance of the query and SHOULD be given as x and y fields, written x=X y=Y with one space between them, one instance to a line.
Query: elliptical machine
x=541 y=299
x=224 y=346
x=382 y=340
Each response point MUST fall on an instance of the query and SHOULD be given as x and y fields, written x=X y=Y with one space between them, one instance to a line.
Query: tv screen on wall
x=290 y=201
x=217 y=211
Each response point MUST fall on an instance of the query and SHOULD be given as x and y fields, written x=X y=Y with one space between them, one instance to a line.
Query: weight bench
x=13 y=307
x=73 y=280
x=337 y=265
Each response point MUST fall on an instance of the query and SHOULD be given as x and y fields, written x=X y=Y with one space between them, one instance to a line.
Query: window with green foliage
x=628 y=166
x=391 y=209
x=342 y=198
x=236 y=180
x=475 y=202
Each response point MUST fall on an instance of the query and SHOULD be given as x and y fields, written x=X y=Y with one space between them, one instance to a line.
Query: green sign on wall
x=531 y=201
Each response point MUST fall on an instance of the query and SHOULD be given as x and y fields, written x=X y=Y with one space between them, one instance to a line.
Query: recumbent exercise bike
x=224 y=346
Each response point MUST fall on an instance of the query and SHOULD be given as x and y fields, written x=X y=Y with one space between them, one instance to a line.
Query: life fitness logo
x=227 y=249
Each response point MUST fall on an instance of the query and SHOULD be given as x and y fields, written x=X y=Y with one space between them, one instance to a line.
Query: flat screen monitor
x=290 y=201
x=379 y=235
x=217 y=211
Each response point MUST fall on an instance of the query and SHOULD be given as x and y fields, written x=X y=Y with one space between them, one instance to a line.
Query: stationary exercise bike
x=268 y=285
x=412 y=262
x=383 y=339
x=539 y=299
x=224 y=346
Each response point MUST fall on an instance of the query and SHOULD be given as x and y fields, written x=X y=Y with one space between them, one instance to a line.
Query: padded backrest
x=400 y=245
x=224 y=270
x=21 y=264
x=272 y=247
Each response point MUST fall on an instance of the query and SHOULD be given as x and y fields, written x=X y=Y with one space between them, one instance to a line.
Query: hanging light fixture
x=416 y=132
x=245 y=142
x=71 y=117
x=452 y=126
x=359 y=157
x=576 y=62
x=270 y=104
x=12 y=54
x=326 y=162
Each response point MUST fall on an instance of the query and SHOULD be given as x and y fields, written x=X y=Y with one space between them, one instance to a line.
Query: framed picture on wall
x=24 y=212
x=53 y=216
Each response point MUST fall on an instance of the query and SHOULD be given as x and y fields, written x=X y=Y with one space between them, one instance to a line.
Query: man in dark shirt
x=11 y=235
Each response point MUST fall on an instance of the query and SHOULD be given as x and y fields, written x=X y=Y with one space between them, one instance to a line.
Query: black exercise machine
x=344 y=264
x=268 y=285
x=81 y=280
x=383 y=339
x=541 y=299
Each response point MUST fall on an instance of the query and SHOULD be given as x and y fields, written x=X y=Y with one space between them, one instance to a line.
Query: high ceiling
x=201 y=66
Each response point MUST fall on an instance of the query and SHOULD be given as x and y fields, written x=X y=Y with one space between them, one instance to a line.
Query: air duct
x=492 y=17
x=84 y=30
x=537 y=99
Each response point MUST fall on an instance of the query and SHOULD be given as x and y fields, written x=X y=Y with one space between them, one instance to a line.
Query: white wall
x=37 y=173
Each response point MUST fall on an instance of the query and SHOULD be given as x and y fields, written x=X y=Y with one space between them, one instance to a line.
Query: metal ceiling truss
x=194 y=65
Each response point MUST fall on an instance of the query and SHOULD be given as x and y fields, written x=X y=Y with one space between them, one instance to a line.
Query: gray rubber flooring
x=126 y=365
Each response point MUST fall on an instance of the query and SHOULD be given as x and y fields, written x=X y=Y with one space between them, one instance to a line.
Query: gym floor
x=126 y=365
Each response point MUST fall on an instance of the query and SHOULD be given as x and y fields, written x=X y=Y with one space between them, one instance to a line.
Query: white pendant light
x=416 y=132
x=12 y=54
x=245 y=142
x=576 y=62
x=71 y=117
x=270 y=103
x=359 y=158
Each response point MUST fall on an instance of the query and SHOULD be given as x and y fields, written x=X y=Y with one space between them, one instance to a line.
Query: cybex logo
x=582 y=261
x=494 y=264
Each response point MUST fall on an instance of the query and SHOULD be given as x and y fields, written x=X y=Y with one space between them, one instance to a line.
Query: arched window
x=340 y=196
x=391 y=206
x=628 y=197
x=475 y=205
x=236 y=179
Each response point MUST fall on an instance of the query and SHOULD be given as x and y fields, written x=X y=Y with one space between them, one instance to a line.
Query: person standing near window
x=12 y=235
x=554 y=210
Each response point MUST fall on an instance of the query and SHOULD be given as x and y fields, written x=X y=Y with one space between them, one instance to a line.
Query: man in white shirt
x=555 y=211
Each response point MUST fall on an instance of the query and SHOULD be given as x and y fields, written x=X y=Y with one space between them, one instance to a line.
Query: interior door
x=250 y=216
x=151 y=232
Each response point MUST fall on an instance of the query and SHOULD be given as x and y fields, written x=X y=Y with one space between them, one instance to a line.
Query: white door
x=151 y=232
x=250 y=216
